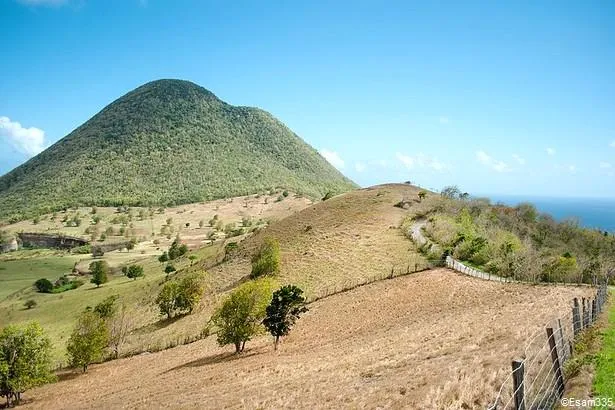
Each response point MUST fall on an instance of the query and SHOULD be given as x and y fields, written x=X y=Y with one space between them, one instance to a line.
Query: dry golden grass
x=431 y=340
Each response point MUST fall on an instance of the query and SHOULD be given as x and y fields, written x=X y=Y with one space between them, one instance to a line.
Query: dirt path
x=432 y=340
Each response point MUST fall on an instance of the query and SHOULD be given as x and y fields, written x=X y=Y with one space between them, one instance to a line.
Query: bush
x=97 y=252
x=267 y=260
x=176 y=250
x=107 y=308
x=82 y=250
x=169 y=269
x=88 y=341
x=134 y=271
x=164 y=257
x=240 y=316
x=25 y=360
x=30 y=303
x=43 y=285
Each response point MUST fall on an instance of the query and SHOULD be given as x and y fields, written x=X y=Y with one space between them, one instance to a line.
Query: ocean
x=596 y=213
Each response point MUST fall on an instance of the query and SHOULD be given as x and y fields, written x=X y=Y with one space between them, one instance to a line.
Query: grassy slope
x=15 y=275
x=354 y=237
x=167 y=142
x=604 y=382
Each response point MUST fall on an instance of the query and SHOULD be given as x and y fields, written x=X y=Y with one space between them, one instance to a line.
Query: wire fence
x=537 y=379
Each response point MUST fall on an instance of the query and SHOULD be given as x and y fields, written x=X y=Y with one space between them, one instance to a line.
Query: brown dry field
x=435 y=339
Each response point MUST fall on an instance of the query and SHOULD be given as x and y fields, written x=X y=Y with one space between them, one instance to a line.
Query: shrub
x=30 y=303
x=97 y=252
x=107 y=308
x=99 y=271
x=88 y=341
x=285 y=193
x=164 y=257
x=284 y=309
x=169 y=269
x=43 y=285
x=25 y=360
x=267 y=260
x=84 y=249
x=134 y=271
x=240 y=316
x=327 y=196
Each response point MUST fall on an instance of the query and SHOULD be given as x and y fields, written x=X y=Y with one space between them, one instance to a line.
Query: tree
x=189 y=294
x=25 y=360
x=134 y=271
x=119 y=326
x=284 y=309
x=267 y=260
x=422 y=195
x=43 y=285
x=88 y=341
x=107 y=308
x=240 y=316
x=169 y=269
x=180 y=296
x=450 y=192
x=163 y=258
x=166 y=299
x=99 y=271
x=176 y=250
x=30 y=303
x=130 y=245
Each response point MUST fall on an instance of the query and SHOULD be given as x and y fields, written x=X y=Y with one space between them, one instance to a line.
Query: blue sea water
x=596 y=213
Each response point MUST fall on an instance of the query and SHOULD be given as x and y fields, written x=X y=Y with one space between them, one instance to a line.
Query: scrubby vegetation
x=121 y=156
x=267 y=260
x=514 y=242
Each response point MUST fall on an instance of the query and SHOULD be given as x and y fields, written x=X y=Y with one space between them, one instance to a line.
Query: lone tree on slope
x=285 y=307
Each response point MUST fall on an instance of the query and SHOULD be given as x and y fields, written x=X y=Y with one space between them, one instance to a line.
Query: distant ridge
x=166 y=143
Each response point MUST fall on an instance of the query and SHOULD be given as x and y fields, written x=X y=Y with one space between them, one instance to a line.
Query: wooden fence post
x=557 y=367
x=519 y=384
x=594 y=316
x=584 y=324
x=576 y=317
x=565 y=352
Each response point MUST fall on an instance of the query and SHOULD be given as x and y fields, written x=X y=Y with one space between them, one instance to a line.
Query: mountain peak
x=167 y=142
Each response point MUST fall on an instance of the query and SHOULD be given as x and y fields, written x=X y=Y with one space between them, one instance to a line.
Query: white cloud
x=605 y=165
x=550 y=151
x=43 y=2
x=489 y=161
x=420 y=161
x=520 y=160
x=333 y=158
x=30 y=141
x=359 y=166
x=443 y=120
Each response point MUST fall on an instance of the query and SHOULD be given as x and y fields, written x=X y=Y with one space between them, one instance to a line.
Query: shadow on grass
x=71 y=374
x=161 y=324
x=216 y=358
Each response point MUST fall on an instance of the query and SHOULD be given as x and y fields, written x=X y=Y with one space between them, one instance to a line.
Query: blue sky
x=496 y=97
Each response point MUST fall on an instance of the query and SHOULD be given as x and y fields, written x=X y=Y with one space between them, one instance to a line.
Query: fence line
x=537 y=379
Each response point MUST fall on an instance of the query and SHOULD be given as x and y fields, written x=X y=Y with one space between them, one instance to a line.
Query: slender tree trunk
x=237 y=347
x=243 y=345
x=275 y=346
x=85 y=367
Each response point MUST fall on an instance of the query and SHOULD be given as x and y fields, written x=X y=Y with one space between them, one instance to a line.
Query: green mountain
x=166 y=143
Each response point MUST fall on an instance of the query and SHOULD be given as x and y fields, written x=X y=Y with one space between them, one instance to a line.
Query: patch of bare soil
x=431 y=340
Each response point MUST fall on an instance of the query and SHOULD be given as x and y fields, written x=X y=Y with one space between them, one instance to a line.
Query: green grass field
x=57 y=313
x=604 y=381
x=20 y=274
